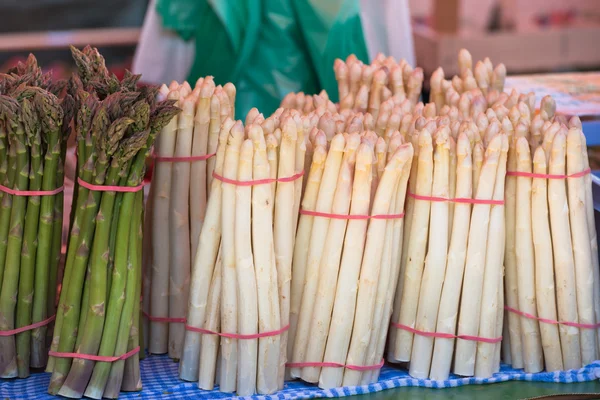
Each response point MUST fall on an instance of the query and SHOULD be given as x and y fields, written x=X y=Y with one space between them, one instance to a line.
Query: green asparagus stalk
x=30 y=241
x=6 y=207
x=8 y=293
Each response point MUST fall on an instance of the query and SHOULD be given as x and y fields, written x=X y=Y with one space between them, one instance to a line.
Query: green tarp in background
x=268 y=48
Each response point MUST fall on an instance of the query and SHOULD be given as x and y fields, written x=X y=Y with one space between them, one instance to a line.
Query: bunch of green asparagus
x=115 y=125
x=34 y=126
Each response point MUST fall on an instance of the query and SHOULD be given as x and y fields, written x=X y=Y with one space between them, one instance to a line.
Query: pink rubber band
x=257 y=181
x=551 y=321
x=447 y=335
x=164 y=319
x=336 y=365
x=121 y=189
x=456 y=200
x=16 y=331
x=238 y=335
x=182 y=159
x=549 y=176
x=92 y=357
x=351 y=217
x=31 y=192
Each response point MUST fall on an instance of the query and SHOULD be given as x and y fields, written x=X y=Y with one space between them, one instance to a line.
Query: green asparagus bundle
x=115 y=124
x=34 y=125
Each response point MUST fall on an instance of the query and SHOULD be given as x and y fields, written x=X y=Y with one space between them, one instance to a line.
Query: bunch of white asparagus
x=551 y=259
x=176 y=207
x=345 y=268
x=240 y=283
x=364 y=88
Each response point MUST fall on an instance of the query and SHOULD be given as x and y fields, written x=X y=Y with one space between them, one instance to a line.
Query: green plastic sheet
x=268 y=48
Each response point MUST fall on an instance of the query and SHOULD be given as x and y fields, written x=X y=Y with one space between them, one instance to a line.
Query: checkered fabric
x=159 y=377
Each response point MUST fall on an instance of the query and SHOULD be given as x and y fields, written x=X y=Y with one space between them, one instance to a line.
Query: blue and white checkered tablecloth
x=159 y=377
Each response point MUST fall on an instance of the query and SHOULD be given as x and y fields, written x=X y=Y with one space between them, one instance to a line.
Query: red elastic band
x=336 y=365
x=352 y=217
x=92 y=357
x=446 y=335
x=15 y=192
x=551 y=321
x=182 y=159
x=102 y=188
x=549 y=176
x=16 y=331
x=258 y=181
x=457 y=200
x=238 y=335
x=164 y=319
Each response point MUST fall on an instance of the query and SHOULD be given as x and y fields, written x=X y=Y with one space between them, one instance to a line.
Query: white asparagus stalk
x=435 y=265
x=266 y=281
x=506 y=355
x=379 y=81
x=273 y=158
x=204 y=264
x=209 y=348
x=564 y=265
x=147 y=267
x=248 y=302
x=355 y=74
x=229 y=360
x=485 y=362
x=449 y=301
x=230 y=90
x=452 y=181
x=544 y=265
x=319 y=230
x=591 y=223
x=464 y=363
x=530 y=330
x=341 y=76
x=213 y=138
x=416 y=249
x=344 y=305
x=284 y=231
x=159 y=306
x=499 y=321
x=198 y=186
x=302 y=132
x=303 y=238
x=330 y=262
x=478 y=155
x=584 y=276
x=369 y=274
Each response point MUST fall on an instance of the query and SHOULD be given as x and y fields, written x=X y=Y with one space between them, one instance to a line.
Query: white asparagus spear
x=591 y=222
x=544 y=264
x=266 y=279
x=478 y=155
x=204 y=263
x=341 y=75
x=246 y=279
x=449 y=302
x=584 y=276
x=319 y=230
x=284 y=231
x=416 y=249
x=228 y=373
x=486 y=362
x=230 y=90
x=273 y=157
x=198 y=187
x=435 y=264
x=344 y=305
x=499 y=321
x=213 y=138
x=369 y=274
x=209 y=348
x=330 y=262
x=159 y=306
x=303 y=237
x=530 y=330
x=302 y=128
x=464 y=363
x=564 y=265
x=452 y=181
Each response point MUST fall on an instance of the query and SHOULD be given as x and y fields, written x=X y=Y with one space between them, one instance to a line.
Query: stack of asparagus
x=552 y=273
x=177 y=204
x=33 y=135
x=98 y=315
x=239 y=295
x=346 y=265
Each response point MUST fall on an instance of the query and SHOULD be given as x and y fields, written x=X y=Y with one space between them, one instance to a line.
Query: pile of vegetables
x=184 y=163
x=34 y=126
x=98 y=315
